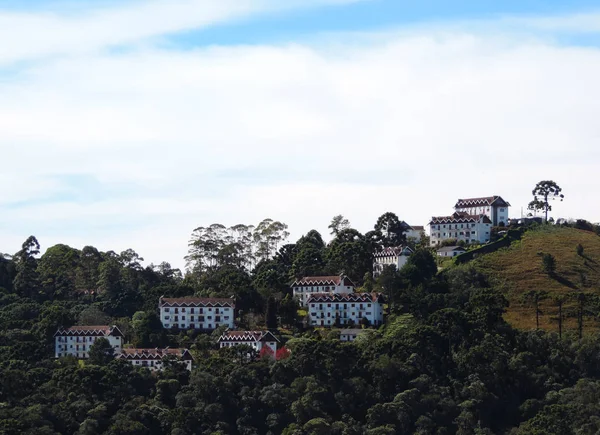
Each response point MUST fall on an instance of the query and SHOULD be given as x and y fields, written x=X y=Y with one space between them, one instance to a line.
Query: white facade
x=153 y=358
x=414 y=233
x=450 y=251
x=306 y=286
x=325 y=309
x=196 y=313
x=397 y=256
x=350 y=334
x=460 y=226
x=257 y=339
x=77 y=340
x=494 y=207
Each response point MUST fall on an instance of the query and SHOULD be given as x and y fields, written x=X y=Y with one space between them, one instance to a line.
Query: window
x=166 y=326
x=182 y=317
x=472 y=232
x=183 y=310
x=501 y=209
x=166 y=310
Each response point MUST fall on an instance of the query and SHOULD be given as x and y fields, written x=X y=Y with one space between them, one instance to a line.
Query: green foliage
x=543 y=192
x=101 y=352
x=548 y=264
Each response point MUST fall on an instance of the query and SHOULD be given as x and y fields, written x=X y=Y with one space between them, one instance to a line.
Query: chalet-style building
x=308 y=285
x=494 y=207
x=77 y=340
x=460 y=226
x=450 y=251
x=257 y=339
x=397 y=256
x=351 y=334
x=331 y=309
x=196 y=313
x=153 y=358
x=414 y=233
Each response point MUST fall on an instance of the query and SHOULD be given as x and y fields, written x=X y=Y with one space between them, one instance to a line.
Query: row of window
x=191 y=326
x=199 y=319
x=342 y=315
x=343 y=306
x=197 y=310
x=314 y=289
x=455 y=226
x=76 y=339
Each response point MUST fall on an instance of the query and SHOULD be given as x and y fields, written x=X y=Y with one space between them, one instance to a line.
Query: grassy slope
x=518 y=270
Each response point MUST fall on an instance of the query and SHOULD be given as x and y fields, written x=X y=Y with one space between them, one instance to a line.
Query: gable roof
x=417 y=227
x=345 y=297
x=89 y=331
x=483 y=201
x=137 y=354
x=451 y=249
x=394 y=252
x=196 y=302
x=247 y=336
x=460 y=217
x=323 y=280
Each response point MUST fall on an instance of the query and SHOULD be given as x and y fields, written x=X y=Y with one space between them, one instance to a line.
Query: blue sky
x=128 y=124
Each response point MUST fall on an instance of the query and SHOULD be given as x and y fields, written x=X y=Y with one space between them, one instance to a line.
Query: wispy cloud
x=27 y=35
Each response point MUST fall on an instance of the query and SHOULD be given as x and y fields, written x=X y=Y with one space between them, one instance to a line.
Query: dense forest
x=445 y=361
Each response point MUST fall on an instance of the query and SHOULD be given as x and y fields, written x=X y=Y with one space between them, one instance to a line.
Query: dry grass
x=518 y=270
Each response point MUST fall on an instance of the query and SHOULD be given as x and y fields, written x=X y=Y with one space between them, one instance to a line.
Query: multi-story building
x=460 y=226
x=308 y=285
x=196 y=313
x=414 y=232
x=332 y=309
x=397 y=256
x=77 y=340
x=153 y=359
x=257 y=339
x=494 y=207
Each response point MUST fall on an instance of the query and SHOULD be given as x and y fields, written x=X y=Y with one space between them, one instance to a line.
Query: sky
x=127 y=124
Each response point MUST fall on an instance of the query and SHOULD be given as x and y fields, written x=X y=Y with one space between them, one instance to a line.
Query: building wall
x=495 y=213
x=469 y=232
x=303 y=292
x=154 y=364
x=413 y=234
x=206 y=318
x=324 y=313
x=79 y=346
x=381 y=262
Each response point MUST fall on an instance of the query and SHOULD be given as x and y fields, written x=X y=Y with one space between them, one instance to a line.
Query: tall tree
x=101 y=352
x=392 y=229
x=548 y=264
x=271 y=313
x=26 y=282
x=338 y=223
x=534 y=297
x=543 y=192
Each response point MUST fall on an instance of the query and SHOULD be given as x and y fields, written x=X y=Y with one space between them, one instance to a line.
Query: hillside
x=518 y=270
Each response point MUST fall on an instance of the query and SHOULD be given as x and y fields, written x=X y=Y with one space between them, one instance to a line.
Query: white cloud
x=300 y=132
x=27 y=35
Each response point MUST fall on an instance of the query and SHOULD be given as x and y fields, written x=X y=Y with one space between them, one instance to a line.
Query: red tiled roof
x=102 y=330
x=246 y=336
x=132 y=353
x=319 y=280
x=345 y=297
x=196 y=302
x=483 y=201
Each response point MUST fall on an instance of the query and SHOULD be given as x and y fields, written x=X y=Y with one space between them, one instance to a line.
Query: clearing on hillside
x=518 y=269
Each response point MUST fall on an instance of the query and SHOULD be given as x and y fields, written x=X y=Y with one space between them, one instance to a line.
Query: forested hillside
x=446 y=361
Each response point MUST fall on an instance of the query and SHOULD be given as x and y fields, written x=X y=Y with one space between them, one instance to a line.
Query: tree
x=338 y=223
x=271 y=313
x=101 y=352
x=543 y=192
x=26 y=280
x=288 y=310
x=579 y=249
x=392 y=229
x=93 y=316
x=534 y=297
x=548 y=264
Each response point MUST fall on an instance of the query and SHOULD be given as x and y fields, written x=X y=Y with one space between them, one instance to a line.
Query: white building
x=414 y=233
x=460 y=226
x=153 y=358
x=257 y=339
x=196 y=313
x=351 y=334
x=397 y=256
x=494 y=207
x=308 y=285
x=450 y=251
x=324 y=309
x=77 y=340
